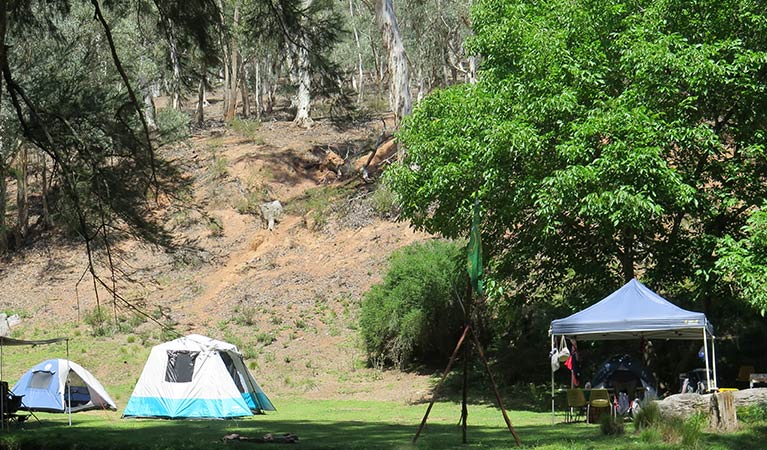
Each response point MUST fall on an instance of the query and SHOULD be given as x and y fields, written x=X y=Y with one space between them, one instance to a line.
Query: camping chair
x=599 y=398
x=11 y=405
x=576 y=401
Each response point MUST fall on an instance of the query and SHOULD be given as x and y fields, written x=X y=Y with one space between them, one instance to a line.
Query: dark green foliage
x=753 y=413
x=647 y=416
x=611 y=426
x=414 y=314
x=604 y=142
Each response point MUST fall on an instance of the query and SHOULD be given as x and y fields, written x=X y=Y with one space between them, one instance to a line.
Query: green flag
x=474 y=253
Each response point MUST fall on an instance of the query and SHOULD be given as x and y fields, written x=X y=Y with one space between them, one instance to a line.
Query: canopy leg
x=713 y=360
x=705 y=354
x=553 y=417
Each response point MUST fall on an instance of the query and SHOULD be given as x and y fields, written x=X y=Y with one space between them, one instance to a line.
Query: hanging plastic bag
x=554 y=356
x=564 y=352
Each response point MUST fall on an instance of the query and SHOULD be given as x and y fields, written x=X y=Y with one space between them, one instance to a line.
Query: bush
x=753 y=413
x=647 y=416
x=413 y=314
x=611 y=426
x=174 y=125
x=99 y=321
x=385 y=201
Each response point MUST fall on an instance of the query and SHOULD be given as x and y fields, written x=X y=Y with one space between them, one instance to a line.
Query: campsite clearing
x=348 y=425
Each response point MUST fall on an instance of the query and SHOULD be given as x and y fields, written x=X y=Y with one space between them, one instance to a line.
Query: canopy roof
x=633 y=312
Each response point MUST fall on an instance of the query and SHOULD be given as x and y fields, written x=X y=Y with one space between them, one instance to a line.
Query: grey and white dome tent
x=199 y=378
x=635 y=312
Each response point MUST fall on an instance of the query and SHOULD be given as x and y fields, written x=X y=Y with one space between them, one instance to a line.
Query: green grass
x=345 y=425
x=350 y=424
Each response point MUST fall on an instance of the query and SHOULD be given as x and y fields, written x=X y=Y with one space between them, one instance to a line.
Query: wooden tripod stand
x=467 y=330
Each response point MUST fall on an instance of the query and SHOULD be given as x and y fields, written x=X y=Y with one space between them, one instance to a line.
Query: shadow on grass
x=316 y=433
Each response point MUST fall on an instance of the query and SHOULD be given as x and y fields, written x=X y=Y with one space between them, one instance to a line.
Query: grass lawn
x=349 y=425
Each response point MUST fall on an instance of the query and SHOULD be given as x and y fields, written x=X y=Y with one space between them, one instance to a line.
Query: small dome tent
x=60 y=385
x=621 y=371
x=196 y=377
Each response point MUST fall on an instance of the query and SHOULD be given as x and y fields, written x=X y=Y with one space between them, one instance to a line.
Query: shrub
x=647 y=416
x=753 y=413
x=174 y=125
x=248 y=129
x=98 y=319
x=413 y=314
x=385 y=201
x=611 y=426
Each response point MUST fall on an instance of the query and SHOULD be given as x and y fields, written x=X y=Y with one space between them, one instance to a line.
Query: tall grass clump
x=414 y=314
x=753 y=413
x=611 y=426
x=647 y=416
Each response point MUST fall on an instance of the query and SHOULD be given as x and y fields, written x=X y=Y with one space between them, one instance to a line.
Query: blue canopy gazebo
x=636 y=312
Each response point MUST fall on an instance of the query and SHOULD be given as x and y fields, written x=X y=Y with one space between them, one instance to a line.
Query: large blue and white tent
x=60 y=385
x=196 y=377
x=636 y=312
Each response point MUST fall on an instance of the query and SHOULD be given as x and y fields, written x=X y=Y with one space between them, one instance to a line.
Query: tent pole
x=552 y=383
x=705 y=353
x=69 y=387
x=713 y=359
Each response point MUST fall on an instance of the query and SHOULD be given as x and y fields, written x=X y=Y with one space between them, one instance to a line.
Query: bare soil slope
x=288 y=297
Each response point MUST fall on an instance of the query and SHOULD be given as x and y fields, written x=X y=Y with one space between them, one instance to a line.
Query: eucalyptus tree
x=604 y=142
x=307 y=31
x=434 y=31
x=400 y=99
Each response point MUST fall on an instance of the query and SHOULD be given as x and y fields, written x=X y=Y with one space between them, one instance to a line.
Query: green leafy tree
x=414 y=314
x=743 y=262
x=606 y=141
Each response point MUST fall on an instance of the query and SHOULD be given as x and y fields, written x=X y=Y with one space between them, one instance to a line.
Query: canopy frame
x=643 y=314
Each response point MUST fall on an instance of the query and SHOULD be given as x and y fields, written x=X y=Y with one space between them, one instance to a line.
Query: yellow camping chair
x=599 y=398
x=576 y=400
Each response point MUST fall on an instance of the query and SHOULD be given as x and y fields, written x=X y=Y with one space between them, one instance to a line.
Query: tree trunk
x=44 y=187
x=149 y=110
x=360 y=72
x=235 y=69
x=224 y=42
x=471 y=75
x=722 y=414
x=22 y=197
x=175 y=101
x=199 y=114
x=259 y=103
x=399 y=83
x=3 y=234
x=245 y=93
x=303 y=70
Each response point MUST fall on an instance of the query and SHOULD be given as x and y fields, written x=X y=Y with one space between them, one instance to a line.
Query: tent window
x=40 y=380
x=232 y=370
x=180 y=366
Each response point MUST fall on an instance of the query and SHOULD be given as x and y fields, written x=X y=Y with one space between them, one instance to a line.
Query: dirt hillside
x=288 y=297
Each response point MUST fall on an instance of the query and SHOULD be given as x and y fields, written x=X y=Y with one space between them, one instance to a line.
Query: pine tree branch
x=131 y=93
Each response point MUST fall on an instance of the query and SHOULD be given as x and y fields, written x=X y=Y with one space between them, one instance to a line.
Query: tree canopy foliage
x=604 y=140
